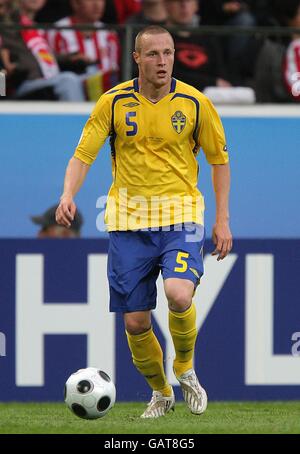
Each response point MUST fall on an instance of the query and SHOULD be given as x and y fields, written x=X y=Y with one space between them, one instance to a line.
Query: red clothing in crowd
x=292 y=68
x=118 y=11
x=102 y=47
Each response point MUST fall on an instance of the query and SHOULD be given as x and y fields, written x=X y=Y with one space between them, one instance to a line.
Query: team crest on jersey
x=178 y=121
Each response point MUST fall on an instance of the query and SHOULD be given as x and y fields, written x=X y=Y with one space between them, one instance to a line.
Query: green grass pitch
x=220 y=418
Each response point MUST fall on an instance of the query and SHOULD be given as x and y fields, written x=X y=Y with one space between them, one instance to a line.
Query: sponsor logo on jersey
x=131 y=104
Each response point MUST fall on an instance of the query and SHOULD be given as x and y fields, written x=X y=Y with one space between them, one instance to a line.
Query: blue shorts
x=135 y=259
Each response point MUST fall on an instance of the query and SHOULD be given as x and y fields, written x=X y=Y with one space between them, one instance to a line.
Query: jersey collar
x=136 y=85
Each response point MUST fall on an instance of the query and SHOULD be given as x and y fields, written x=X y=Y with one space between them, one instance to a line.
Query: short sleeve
x=95 y=131
x=211 y=134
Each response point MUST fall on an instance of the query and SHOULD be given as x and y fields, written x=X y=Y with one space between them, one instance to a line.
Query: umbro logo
x=131 y=104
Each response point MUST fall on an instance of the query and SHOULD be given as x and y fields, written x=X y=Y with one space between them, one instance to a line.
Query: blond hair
x=150 y=30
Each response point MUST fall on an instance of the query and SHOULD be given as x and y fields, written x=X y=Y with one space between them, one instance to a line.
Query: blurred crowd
x=74 y=65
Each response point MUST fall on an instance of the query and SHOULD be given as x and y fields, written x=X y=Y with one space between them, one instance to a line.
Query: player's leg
x=182 y=325
x=182 y=267
x=147 y=357
x=182 y=322
x=146 y=351
x=132 y=271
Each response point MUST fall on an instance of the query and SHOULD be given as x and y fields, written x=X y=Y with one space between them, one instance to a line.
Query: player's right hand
x=65 y=211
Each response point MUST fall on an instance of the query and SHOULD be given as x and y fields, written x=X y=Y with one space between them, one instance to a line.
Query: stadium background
x=54 y=315
x=248 y=306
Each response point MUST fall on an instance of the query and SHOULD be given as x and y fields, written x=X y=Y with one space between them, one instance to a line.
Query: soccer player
x=154 y=212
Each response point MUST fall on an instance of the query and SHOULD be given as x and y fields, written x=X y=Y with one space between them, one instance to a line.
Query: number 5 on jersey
x=180 y=259
x=132 y=124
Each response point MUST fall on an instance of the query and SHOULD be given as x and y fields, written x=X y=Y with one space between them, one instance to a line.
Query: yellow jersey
x=153 y=150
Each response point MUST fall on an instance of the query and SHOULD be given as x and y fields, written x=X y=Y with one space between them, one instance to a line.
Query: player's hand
x=65 y=211
x=222 y=239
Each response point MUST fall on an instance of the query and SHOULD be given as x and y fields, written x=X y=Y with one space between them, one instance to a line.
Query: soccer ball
x=90 y=393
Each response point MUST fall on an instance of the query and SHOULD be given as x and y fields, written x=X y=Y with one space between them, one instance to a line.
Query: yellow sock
x=182 y=327
x=147 y=357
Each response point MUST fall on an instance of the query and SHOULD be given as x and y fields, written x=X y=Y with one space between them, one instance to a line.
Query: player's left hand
x=222 y=238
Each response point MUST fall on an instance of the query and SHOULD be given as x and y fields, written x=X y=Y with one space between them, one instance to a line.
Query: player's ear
x=136 y=57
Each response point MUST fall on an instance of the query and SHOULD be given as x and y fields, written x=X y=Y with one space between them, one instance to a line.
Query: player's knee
x=180 y=300
x=135 y=327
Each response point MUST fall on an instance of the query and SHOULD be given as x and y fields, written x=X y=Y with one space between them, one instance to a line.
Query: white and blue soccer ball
x=90 y=393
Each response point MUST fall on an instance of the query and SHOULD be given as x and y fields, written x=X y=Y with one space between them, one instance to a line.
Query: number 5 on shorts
x=180 y=259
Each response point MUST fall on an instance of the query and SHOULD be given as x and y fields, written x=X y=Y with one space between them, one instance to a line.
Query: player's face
x=156 y=58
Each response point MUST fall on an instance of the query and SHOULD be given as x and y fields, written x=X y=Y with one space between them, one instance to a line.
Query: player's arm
x=93 y=137
x=75 y=175
x=213 y=142
x=221 y=233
